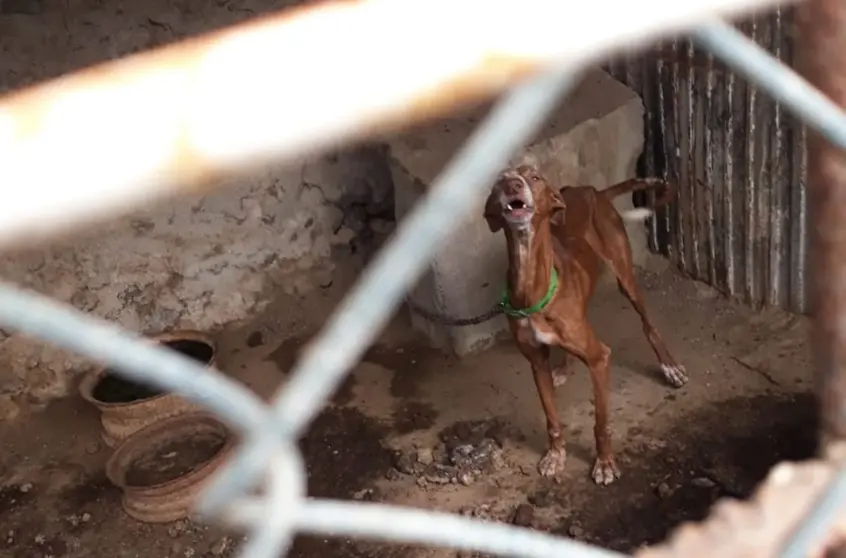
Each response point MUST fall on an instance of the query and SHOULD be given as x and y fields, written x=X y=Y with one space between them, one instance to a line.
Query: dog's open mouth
x=516 y=208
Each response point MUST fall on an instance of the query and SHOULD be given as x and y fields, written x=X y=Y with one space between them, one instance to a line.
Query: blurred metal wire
x=408 y=525
x=46 y=319
x=174 y=119
x=782 y=83
x=199 y=141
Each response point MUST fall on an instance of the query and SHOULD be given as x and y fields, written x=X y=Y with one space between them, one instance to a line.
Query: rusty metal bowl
x=127 y=406
x=162 y=467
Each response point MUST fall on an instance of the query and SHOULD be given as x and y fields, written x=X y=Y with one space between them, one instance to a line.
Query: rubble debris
x=542 y=498
x=524 y=515
x=468 y=450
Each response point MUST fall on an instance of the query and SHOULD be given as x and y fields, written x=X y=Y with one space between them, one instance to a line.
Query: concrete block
x=594 y=138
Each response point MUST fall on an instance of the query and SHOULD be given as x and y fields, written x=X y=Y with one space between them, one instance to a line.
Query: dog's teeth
x=508 y=207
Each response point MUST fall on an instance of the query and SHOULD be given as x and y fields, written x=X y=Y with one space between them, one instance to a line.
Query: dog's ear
x=493 y=212
x=556 y=207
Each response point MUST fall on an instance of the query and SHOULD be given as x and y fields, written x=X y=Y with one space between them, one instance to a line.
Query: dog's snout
x=513 y=185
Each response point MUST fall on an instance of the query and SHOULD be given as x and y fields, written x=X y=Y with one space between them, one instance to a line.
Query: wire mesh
x=543 y=64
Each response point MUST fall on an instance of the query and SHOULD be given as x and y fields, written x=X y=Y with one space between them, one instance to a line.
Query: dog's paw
x=559 y=377
x=676 y=375
x=605 y=471
x=552 y=463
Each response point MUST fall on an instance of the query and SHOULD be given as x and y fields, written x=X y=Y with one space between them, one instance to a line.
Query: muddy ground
x=407 y=413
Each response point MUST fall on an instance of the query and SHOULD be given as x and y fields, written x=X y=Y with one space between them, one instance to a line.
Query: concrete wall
x=196 y=262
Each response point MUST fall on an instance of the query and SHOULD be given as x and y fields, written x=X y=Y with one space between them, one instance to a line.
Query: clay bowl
x=162 y=467
x=127 y=406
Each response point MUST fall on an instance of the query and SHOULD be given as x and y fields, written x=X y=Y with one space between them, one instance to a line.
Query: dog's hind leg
x=617 y=253
x=674 y=372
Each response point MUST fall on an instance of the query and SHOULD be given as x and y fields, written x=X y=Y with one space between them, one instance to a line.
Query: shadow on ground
x=669 y=477
x=722 y=451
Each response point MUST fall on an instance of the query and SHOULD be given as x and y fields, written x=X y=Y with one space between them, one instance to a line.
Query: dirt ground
x=410 y=426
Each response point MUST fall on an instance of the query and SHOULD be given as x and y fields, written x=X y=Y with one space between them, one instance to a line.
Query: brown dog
x=557 y=242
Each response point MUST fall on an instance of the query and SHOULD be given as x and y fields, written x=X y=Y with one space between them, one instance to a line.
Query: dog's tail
x=666 y=195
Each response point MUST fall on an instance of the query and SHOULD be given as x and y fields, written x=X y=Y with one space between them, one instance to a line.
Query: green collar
x=509 y=310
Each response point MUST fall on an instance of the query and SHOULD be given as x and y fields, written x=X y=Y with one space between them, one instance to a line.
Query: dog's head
x=520 y=198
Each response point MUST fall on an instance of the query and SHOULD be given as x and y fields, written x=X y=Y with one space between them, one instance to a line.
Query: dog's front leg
x=552 y=463
x=582 y=342
x=561 y=372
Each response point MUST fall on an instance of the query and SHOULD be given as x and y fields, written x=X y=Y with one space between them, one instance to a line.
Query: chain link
x=447 y=320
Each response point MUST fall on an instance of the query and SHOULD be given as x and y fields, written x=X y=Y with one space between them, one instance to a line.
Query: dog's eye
x=535 y=178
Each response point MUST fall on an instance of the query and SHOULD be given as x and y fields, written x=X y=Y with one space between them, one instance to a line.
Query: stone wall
x=197 y=262
x=209 y=260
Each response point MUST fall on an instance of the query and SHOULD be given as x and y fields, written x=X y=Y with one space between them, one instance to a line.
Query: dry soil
x=405 y=410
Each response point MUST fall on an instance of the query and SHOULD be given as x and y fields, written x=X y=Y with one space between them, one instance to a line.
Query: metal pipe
x=115 y=136
x=430 y=528
x=740 y=53
x=822 y=59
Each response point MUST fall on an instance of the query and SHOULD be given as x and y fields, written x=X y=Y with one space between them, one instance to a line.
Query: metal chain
x=444 y=319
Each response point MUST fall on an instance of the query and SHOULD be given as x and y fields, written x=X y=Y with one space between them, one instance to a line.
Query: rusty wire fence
x=97 y=143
